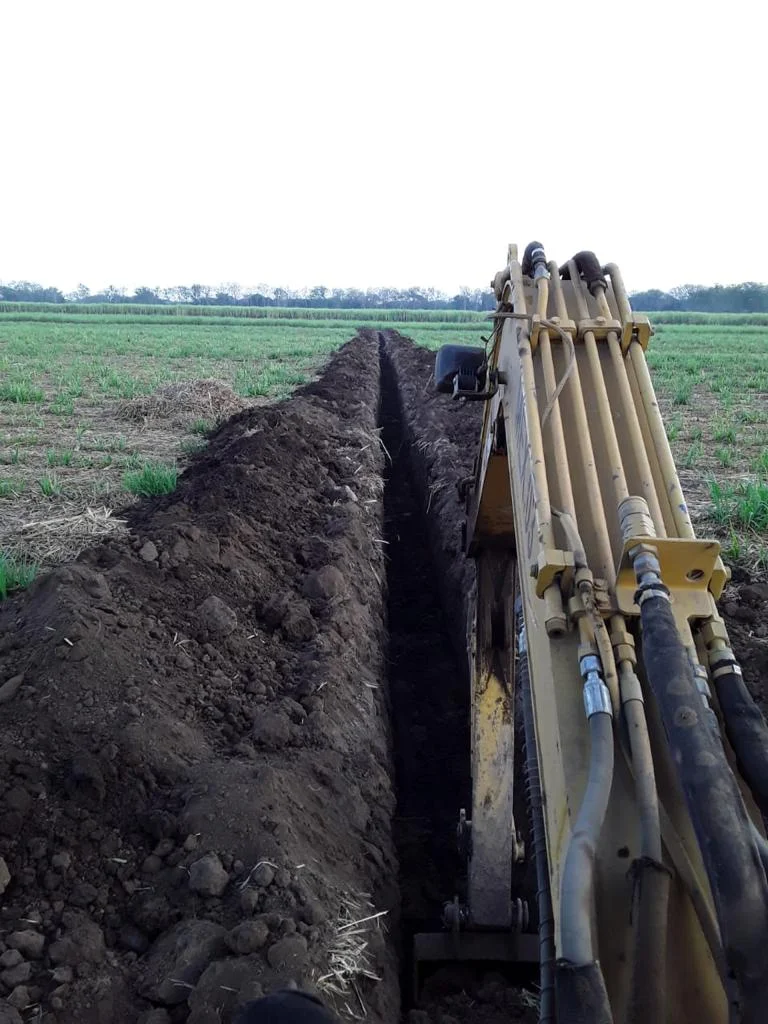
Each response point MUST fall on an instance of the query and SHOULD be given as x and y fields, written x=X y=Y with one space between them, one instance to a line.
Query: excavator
x=595 y=624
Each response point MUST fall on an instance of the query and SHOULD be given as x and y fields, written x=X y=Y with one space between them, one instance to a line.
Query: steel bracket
x=688 y=569
x=551 y=564
x=637 y=329
x=601 y=327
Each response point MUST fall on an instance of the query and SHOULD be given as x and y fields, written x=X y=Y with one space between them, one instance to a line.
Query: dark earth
x=233 y=747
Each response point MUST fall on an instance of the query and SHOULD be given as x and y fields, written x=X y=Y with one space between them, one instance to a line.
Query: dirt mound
x=183 y=402
x=196 y=793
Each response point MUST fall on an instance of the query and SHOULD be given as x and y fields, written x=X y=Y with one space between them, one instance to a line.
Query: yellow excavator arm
x=596 y=619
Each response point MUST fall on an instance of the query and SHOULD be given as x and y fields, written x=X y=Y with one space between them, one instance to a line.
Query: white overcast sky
x=359 y=144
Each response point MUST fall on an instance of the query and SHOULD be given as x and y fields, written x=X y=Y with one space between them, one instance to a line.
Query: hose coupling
x=644 y=593
x=645 y=563
x=702 y=682
x=597 y=697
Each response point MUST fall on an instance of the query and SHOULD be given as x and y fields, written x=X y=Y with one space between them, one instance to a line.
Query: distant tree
x=147 y=296
x=29 y=291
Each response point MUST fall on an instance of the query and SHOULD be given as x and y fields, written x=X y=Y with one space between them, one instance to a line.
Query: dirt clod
x=248 y=936
x=273 y=730
x=178 y=958
x=148 y=552
x=207 y=875
x=9 y=1014
x=18 y=975
x=224 y=986
x=263 y=875
x=83 y=941
x=29 y=943
x=217 y=617
x=288 y=954
x=10 y=688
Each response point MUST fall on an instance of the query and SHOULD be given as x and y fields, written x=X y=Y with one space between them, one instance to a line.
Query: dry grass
x=51 y=540
x=349 y=959
x=183 y=402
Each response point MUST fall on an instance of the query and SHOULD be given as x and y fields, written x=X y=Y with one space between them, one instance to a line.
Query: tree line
x=233 y=295
x=748 y=297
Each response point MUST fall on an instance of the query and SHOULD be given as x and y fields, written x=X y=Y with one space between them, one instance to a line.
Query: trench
x=429 y=697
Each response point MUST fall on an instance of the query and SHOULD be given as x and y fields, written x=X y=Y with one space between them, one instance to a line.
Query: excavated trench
x=431 y=442
x=429 y=694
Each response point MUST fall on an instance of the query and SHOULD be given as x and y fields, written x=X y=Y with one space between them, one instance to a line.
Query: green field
x=76 y=442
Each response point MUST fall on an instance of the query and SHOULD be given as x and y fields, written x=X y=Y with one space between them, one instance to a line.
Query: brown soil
x=200 y=790
x=213 y=685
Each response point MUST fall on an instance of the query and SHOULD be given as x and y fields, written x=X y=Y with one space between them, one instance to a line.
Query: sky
x=398 y=143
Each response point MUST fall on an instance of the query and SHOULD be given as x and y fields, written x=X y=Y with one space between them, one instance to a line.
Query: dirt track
x=200 y=786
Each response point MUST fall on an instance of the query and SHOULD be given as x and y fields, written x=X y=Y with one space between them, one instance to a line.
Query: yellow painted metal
x=687 y=568
x=604 y=440
x=492 y=679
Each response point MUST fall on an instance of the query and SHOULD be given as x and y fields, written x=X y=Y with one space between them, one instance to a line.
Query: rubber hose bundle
x=720 y=819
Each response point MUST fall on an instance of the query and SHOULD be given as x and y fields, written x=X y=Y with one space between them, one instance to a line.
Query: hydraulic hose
x=762 y=845
x=718 y=814
x=745 y=727
x=536 y=808
x=577 y=892
x=580 y=986
x=647 y=1001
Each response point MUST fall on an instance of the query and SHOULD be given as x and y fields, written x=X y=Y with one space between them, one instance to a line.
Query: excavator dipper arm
x=647 y=760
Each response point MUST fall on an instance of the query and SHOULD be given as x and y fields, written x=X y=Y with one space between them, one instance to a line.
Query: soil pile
x=196 y=790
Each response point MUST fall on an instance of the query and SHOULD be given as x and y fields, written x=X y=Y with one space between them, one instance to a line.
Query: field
x=94 y=410
x=75 y=436
x=234 y=734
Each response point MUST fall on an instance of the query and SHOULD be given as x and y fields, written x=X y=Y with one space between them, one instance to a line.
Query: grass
x=151 y=480
x=724 y=431
x=673 y=429
x=711 y=376
x=59 y=458
x=693 y=455
x=682 y=393
x=20 y=392
x=192 y=446
x=15 y=574
x=49 y=486
x=742 y=504
x=725 y=457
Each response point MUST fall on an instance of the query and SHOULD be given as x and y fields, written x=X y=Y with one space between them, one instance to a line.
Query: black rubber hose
x=588 y=265
x=536 y=808
x=720 y=819
x=581 y=994
x=533 y=256
x=746 y=730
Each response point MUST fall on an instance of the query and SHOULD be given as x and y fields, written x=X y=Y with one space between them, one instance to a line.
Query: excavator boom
x=596 y=618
